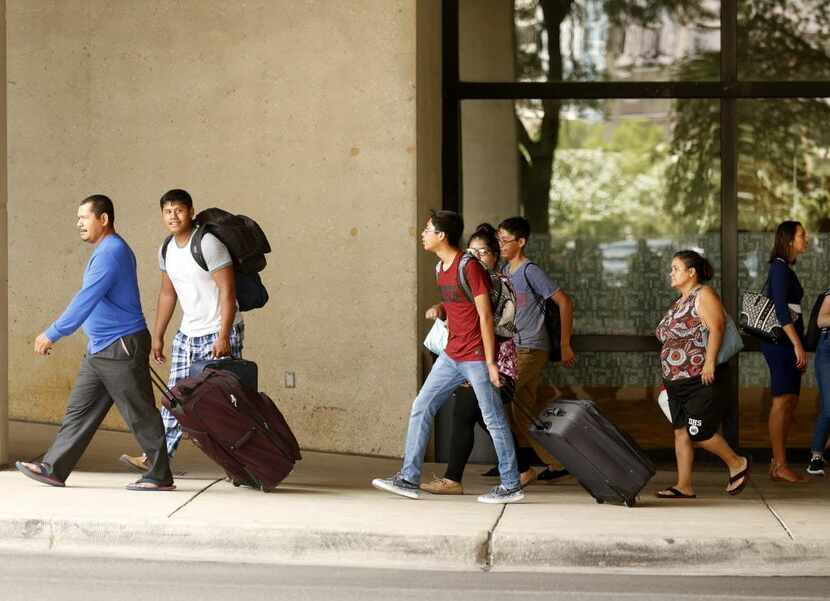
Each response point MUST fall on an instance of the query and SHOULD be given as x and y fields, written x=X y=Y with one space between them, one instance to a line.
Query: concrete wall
x=300 y=113
x=429 y=121
x=4 y=306
x=489 y=157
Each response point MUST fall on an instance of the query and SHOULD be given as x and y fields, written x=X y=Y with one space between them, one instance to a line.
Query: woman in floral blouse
x=690 y=371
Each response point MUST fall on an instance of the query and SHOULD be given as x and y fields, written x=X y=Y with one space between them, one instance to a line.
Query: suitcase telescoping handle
x=539 y=425
x=161 y=386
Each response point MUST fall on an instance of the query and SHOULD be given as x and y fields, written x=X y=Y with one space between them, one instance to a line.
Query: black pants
x=466 y=414
x=117 y=374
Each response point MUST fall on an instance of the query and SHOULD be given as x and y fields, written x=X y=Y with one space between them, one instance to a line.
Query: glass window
x=589 y=40
x=784 y=40
x=611 y=188
x=783 y=174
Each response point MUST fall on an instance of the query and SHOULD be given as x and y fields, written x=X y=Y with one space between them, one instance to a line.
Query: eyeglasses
x=430 y=230
x=481 y=252
x=504 y=242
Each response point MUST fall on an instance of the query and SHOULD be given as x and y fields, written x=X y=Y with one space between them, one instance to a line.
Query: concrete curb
x=715 y=556
x=189 y=541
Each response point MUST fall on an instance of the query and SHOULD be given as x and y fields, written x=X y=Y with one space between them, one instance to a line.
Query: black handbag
x=553 y=322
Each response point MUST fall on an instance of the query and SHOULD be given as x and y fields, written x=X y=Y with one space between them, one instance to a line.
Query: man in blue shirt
x=115 y=368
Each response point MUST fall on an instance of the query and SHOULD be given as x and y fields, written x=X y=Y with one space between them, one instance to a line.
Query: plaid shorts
x=186 y=351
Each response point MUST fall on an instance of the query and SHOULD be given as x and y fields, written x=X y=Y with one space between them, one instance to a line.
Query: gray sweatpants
x=117 y=374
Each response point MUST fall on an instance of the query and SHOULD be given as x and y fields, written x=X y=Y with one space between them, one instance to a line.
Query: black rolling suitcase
x=604 y=460
x=245 y=370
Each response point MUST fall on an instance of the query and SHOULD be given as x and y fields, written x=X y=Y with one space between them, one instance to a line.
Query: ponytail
x=486 y=233
x=702 y=266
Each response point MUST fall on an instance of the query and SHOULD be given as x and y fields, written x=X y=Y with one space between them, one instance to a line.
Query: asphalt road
x=62 y=578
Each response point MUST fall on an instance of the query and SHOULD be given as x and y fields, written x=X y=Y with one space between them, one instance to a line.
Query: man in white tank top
x=211 y=322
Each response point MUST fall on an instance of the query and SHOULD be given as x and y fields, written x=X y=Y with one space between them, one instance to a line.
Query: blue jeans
x=823 y=381
x=446 y=376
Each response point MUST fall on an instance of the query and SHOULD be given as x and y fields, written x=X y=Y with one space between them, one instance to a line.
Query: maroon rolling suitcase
x=239 y=428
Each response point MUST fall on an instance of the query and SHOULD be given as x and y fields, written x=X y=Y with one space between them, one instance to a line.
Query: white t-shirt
x=195 y=287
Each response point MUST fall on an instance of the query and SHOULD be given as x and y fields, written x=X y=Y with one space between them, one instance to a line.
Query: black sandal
x=744 y=473
x=672 y=493
x=41 y=476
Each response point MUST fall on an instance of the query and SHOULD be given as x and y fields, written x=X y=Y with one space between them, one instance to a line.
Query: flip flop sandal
x=742 y=474
x=672 y=493
x=148 y=485
x=42 y=476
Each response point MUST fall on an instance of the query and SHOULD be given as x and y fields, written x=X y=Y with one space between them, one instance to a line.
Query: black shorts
x=695 y=406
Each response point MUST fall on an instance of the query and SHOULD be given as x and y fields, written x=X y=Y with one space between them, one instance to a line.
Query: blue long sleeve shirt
x=108 y=305
x=784 y=289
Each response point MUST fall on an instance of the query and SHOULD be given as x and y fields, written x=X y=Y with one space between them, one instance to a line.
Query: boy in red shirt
x=470 y=356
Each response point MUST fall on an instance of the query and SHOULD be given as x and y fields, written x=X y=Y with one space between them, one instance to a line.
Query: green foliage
x=783 y=144
x=608 y=180
x=627 y=177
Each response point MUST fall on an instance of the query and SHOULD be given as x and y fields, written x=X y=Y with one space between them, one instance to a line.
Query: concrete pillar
x=4 y=279
x=489 y=152
x=428 y=119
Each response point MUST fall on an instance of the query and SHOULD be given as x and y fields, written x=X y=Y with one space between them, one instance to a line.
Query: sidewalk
x=326 y=512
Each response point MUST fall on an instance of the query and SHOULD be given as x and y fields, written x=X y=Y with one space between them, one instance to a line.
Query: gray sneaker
x=397 y=485
x=502 y=495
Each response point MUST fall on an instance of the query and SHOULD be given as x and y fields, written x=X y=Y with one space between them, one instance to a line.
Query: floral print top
x=681 y=332
x=506 y=357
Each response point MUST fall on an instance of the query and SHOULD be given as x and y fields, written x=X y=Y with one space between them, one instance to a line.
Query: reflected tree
x=783 y=144
x=539 y=57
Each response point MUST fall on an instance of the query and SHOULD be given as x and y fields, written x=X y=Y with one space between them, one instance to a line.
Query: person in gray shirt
x=533 y=287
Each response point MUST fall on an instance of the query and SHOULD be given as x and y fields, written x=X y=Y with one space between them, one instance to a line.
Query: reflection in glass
x=611 y=188
x=596 y=40
x=783 y=163
x=784 y=40
x=631 y=182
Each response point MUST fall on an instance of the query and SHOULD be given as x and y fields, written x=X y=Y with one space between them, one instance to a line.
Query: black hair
x=176 y=195
x=487 y=233
x=517 y=226
x=450 y=223
x=784 y=236
x=702 y=266
x=100 y=205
